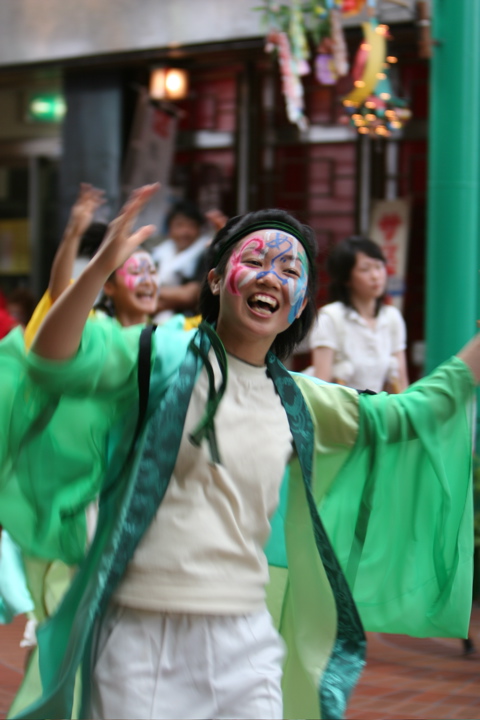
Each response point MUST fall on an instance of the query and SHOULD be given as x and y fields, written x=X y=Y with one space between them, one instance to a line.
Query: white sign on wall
x=390 y=228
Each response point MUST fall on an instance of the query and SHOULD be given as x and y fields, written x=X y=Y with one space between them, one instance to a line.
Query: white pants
x=159 y=665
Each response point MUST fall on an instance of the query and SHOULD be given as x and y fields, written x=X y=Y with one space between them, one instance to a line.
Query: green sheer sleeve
x=61 y=423
x=54 y=441
x=105 y=363
x=399 y=513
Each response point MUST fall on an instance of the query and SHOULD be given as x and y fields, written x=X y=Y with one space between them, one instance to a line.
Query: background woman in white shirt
x=358 y=340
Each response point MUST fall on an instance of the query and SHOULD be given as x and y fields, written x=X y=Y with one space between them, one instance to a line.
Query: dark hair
x=285 y=341
x=341 y=262
x=186 y=209
x=92 y=239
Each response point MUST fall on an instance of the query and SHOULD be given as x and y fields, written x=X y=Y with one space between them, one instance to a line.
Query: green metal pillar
x=454 y=179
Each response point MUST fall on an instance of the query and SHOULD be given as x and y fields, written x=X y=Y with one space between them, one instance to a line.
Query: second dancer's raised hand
x=120 y=242
x=60 y=333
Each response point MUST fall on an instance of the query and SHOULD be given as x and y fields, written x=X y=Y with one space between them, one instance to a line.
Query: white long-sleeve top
x=203 y=552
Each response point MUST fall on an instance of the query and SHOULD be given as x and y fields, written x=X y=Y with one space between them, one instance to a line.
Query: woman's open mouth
x=263 y=304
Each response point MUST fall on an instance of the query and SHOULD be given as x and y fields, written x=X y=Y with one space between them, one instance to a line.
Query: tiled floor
x=12 y=658
x=404 y=678
x=419 y=678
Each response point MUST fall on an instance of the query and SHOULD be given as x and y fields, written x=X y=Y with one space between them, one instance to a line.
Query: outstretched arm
x=81 y=214
x=59 y=336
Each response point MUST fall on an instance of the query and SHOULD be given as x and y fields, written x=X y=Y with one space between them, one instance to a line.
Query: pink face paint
x=138 y=269
x=239 y=274
x=282 y=252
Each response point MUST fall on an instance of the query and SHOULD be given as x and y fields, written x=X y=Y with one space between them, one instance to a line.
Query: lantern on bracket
x=168 y=83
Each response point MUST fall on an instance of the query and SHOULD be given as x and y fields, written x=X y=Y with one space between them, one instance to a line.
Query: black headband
x=266 y=225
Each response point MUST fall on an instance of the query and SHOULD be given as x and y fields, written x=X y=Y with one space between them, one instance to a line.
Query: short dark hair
x=341 y=262
x=186 y=209
x=285 y=341
x=92 y=238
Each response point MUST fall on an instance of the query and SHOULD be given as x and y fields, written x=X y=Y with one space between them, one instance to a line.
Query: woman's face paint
x=270 y=257
x=135 y=287
x=137 y=270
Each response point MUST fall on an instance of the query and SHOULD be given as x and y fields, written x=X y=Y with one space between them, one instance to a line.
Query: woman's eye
x=292 y=271
x=255 y=263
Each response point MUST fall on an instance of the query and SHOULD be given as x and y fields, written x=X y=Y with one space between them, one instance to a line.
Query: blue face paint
x=282 y=262
x=279 y=255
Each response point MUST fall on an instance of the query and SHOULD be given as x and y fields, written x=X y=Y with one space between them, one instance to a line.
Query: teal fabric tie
x=348 y=655
x=206 y=426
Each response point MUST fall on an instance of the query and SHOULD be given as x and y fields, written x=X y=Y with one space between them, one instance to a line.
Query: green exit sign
x=46 y=107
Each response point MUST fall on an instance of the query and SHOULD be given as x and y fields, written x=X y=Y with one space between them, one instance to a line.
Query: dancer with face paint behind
x=129 y=295
x=211 y=517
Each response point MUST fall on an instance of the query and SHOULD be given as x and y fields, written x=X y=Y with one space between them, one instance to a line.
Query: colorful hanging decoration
x=291 y=84
x=339 y=45
x=331 y=61
x=372 y=106
x=296 y=27
x=298 y=39
x=293 y=28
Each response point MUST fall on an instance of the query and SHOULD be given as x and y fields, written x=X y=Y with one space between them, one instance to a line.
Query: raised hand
x=89 y=199
x=81 y=215
x=120 y=242
x=60 y=333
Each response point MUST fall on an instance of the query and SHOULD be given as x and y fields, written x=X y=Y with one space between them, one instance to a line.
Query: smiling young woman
x=212 y=587
x=262 y=291
x=130 y=293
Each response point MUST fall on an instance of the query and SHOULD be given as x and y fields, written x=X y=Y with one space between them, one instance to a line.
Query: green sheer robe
x=390 y=476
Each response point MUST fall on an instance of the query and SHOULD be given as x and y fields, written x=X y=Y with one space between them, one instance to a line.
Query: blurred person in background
x=358 y=340
x=181 y=259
